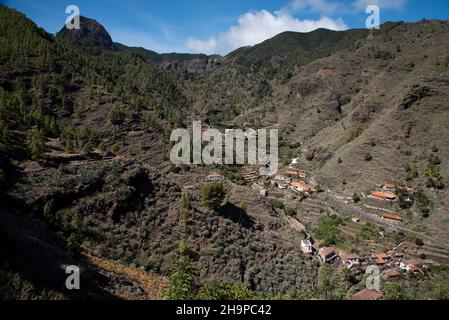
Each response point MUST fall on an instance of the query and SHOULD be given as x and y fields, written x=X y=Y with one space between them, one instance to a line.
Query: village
x=295 y=185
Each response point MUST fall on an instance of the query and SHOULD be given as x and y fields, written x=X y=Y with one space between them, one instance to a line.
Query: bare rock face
x=90 y=31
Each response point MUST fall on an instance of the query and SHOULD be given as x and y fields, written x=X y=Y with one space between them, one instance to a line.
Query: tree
x=48 y=212
x=330 y=285
x=35 y=144
x=116 y=116
x=214 y=195
x=419 y=242
x=356 y=198
x=221 y=291
x=181 y=280
x=115 y=149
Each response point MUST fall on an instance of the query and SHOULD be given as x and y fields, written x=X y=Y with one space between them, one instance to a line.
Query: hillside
x=85 y=177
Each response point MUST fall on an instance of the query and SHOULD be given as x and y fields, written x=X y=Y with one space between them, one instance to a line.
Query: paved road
x=374 y=219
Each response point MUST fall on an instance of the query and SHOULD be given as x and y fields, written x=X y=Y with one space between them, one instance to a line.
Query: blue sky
x=219 y=26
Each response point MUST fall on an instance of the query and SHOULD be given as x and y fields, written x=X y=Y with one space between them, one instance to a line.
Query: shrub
x=368 y=157
x=419 y=242
x=214 y=195
x=356 y=198
x=182 y=280
x=36 y=144
x=116 y=116
x=291 y=212
x=221 y=291
x=115 y=149
x=384 y=55
x=355 y=134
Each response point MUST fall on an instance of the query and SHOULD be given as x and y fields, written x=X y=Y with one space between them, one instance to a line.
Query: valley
x=86 y=177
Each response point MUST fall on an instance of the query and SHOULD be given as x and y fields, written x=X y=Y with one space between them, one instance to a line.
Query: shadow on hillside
x=237 y=215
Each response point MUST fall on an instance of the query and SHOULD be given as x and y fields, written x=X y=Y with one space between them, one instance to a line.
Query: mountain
x=85 y=175
x=90 y=31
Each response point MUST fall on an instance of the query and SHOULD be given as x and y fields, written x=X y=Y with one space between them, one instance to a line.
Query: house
x=349 y=259
x=296 y=173
x=367 y=295
x=380 y=258
x=283 y=178
x=279 y=184
x=215 y=177
x=391 y=217
x=294 y=162
x=389 y=188
x=409 y=267
x=326 y=254
x=300 y=187
x=282 y=182
x=390 y=273
x=384 y=196
x=306 y=247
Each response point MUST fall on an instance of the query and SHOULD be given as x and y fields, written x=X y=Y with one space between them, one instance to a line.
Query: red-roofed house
x=326 y=254
x=367 y=294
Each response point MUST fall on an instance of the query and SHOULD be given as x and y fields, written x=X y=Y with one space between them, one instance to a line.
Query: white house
x=349 y=259
x=306 y=247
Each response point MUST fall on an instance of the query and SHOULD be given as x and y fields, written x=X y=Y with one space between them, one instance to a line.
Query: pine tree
x=36 y=144
x=181 y=280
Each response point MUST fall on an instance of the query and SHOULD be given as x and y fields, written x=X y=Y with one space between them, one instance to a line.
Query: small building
x=349 y=259
x=296 y=173
x=380 y=258
x=327 y=254
x=306 y=247
x=384 y=196
x=283 y=178
x=301 y=187
x=281 y=182
x=355 y=220
x=215 y=177
x=263 y=193
x=390 y=273
x=391 y=217
x=367 y=295
x=409 y=267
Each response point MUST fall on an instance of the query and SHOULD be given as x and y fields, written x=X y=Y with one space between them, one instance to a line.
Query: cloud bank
x=257 y=26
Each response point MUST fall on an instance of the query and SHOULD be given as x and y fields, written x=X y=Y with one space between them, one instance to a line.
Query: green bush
x=116 y=116
x=223 y=291
x=36 y=144
x=181 y=282
x=214 y=194
x=419 y=242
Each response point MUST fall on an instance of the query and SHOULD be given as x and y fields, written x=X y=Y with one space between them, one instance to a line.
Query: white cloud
x=257 y=26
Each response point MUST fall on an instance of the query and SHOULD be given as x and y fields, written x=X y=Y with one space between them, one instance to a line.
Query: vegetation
x=355 y=134
x=219 y=290
x=36 y=144
x=214 y=195
x=181 y=283
x=328 y=232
